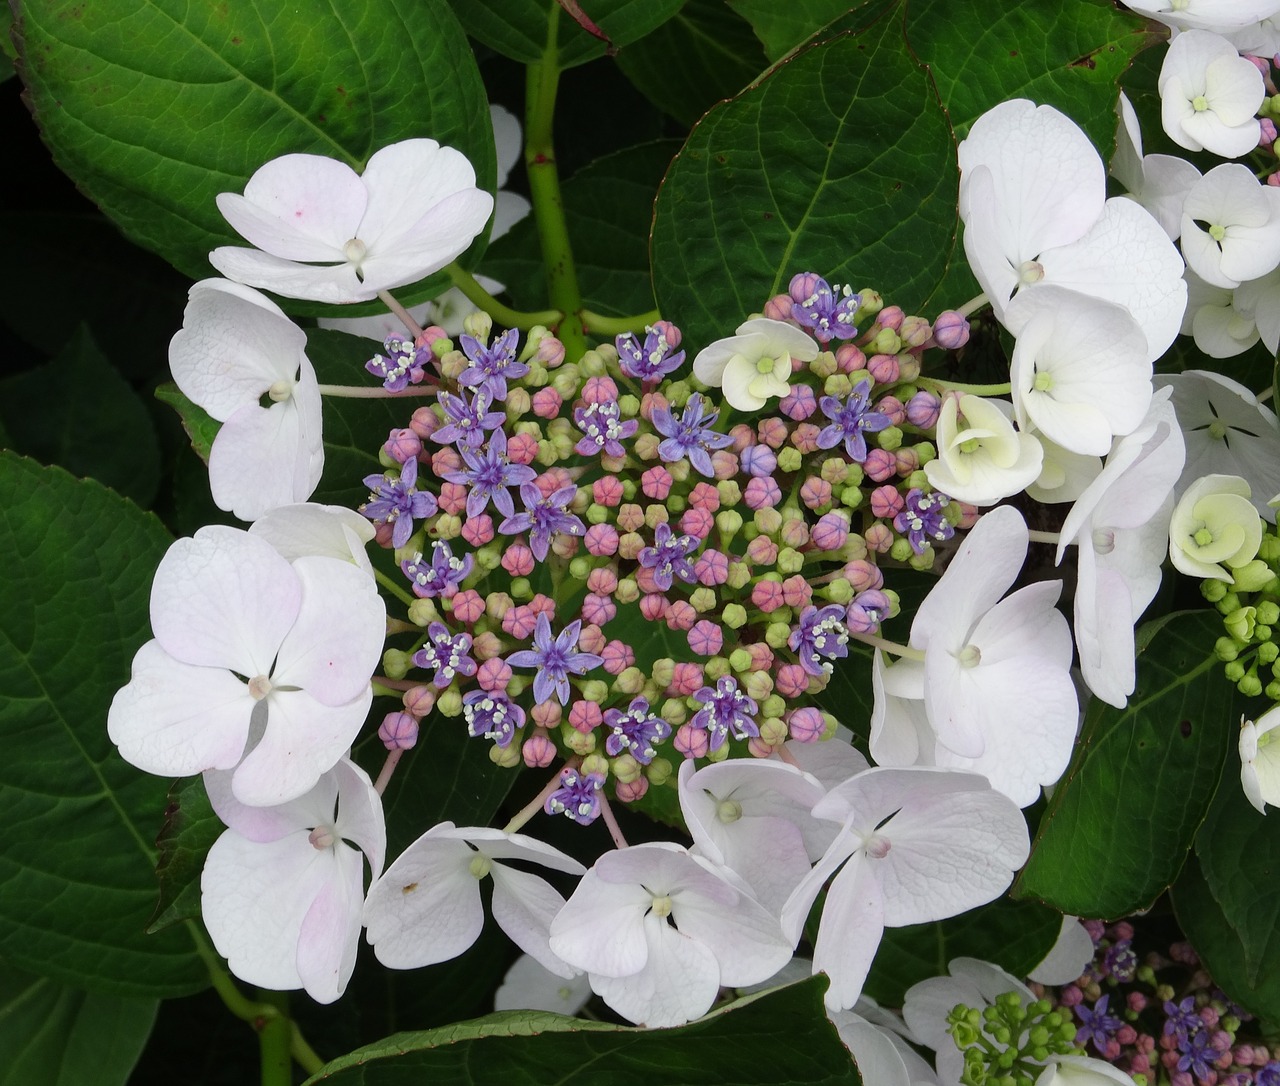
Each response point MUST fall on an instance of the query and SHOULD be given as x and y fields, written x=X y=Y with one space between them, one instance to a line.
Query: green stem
x=972 y=305
x=394 y=587
x=936 y=385
x=303 y=1054
x=616 y=326
x=375 y=392
x=275 y=1041
x=504 y=315
x=542 y=80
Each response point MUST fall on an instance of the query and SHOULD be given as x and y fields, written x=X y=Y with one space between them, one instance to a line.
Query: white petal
x=330 y=932
x=1069 y=956
x=406 y=181
x=850 y=931
x=256 y=460
x=601 y=928
x=528 y=985
x=524 y=906
x=335 y=283
x=310 y=529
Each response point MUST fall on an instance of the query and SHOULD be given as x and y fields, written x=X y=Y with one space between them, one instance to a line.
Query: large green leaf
x=793 y=176
x=56 y=1036
x=76 y=859
x=153 y=107
x=781 y=27
x=189 y=831
x=1123 y=817
x=518 y=28
x=780 y=1038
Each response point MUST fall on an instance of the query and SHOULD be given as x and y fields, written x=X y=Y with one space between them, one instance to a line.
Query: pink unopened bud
x=711 y=568
x=815 y=493
x=607 y=491
x=547 y=403
x=772 y=432
x=419 y=700
x=425 y=422
x=778 y=308
x=761 y=656
x=382 y=533
x=486 y=646
x=863 y=575
x=603 y=581
x=743 y=437
x=550 y=352
x=884 y=368
x=802 y=287
x=599 y=390
x=617 y=657
x=598 y=609
x=830 y=533
x=762 y=493
x=706 y=638
x=805 y=725
x=680 y=615
x=453 y=497
x=799 y=403
x=880 y=465
x=767 y=595
x=791 y=680
x=762 y=550
x=951 y=330
x=891 y=316
x=794 y=532
x=879 y=538
x=653 y=606
x=908 y=461
x=522 y=448
x=601 y=540
x=630 y=517
x=430 y=335
x=518 y=560
x=724 y=464
x=758 y=748
x=538 y=751
x=691 y=742
x=850 y=359
x=704 y=496
x=402 y=445
x=468 y=606
x=922 y=410
x=519 y=621
x=591 y=639
x=585 y=716
x=805 y=437
x=697 y=523
x=546 y=713
x=886 y=502
x=398 y=731
x=478 y=530
x=493 y=674
x=796 y=591
x=656 y=483
x=686 y=678
x=893 y=407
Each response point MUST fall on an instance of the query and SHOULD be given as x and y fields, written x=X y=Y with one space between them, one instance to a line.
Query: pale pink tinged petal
x=440 y=236
x=678 y=983
x=405 y=181
x=768 y=852
x=360 y=818
x=300 y=207
x=524 y=906
x=746 y=940
x=850 y=931
x=263 y=824
x=173 y=719
x=600 y=930
x=426 y=907
x=335 y=283
x=829 y=761
x=869 y=798
x=795 y=911
x=661 y=866
x=1128 y=259
x=529 y=986
x=330 y=933
x=699 y=807
x=336 y=642
x=311 y=529
x=254 y=897
x=303 y=739
x=233 y=346
x=253 y=464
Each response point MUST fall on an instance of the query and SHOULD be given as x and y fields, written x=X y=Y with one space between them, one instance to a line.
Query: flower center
x=355 y=251
x=259 y=687
x=280 y=391
x=322 y=837
x=1043 y=382
x=1104 y=540
x=661 y=906
x=970 y=656
x=764 y=365
x=1217 y=232
x=1199 y=103
x=1030 y=271
x=480 y=865
x=877 y=846
x=728 y=811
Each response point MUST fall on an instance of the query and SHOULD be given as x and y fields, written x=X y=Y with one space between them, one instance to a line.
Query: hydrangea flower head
x=754 y=365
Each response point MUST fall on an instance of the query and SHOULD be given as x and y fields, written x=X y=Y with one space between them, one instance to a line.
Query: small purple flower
x=603 y=429
x=554 y=659
x=397 y=502
x=445 y=655
x=1097 y=1026
x=820 y=636
x=543 y=517
x=402 y=365
x=578 y=796
x=491 y=715
x=725 y=711
x=1198 y=1054
x=488 y=474
x=867 y=611
x=466 y=422
x=635 y=731
x=691 y=435
x=669 y=556
x=491 y=367
x=826 y=310
x=1182 y=1019
x=432 y=578
x=923 y=520
x=654 y=358
x=1120 y=960
x=850 y=420
x=1268 y=1075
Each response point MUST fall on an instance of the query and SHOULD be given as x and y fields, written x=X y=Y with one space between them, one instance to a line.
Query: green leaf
x=57 y=1036
x=155 y=107
x=76 y=859
x=1014 y=935
x=79 y=413
x=201 y=427
x=790 y=177
x=778 y=1038
x=189 y=831
x=705 y=53
x=1221 y=950
x=781 y=27
x=608 y=211
x=1124 y=816
x=518 y=28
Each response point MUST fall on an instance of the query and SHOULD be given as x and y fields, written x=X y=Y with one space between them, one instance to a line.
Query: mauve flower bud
x=891 y=316
x=493 y=674
x=879 y=538
x=546 y=403
x=880 y=465
x=585 y=716
x=419 y=700
x=791 y=680
x=850 y=359
x=425 y=422
x=398 y=731
x=951 y=330
x=546 y=713
x=830 y=533
x=680 y=615
x=599 y=390
x=886 y=502
x=778 y=308
x=430 y=335
x=591 y=639
x=802 y=286
x=691 y=742
x=550 y=352
x=923 y=409
x=538 y=751
x=705 y=638
x=893 y=407
x=630 y=791
x=402 y=445
x=914 y=332
x=805 y=725
x=884 y=368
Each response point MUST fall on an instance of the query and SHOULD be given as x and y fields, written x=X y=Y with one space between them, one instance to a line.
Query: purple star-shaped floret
x=655 y=357
x=578 y=796
x=397 y=502
x=402 y=365
x=1182 y=1018
x=828 y=310
x=488 y=474
x=1198 y=1054
x=1268 y=1075
x=923 y=520
x=466 y=422
x=445 y=655
x=543 y=517
x=850 y=419
x=1097 y=1026
x=433 y=577
x=725 y=711
x=603 y=429
x=820 y=637
x=491 y=715
x=635 y=731
x=690 y=435
x=867 y=611
x=668 y=557
x=554 y=659
x=493 y=366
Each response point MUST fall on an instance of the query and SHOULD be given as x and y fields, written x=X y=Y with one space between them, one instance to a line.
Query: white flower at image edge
x=754 y=364
x=325 y=233
x=1209 y=94
x=282 y=890
x=236 y=347
x=1260 y=760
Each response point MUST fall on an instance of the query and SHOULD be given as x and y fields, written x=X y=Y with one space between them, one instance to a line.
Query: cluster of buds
x=1249 y=603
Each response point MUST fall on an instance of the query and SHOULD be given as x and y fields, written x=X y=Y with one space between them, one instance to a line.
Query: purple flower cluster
x=402 y=365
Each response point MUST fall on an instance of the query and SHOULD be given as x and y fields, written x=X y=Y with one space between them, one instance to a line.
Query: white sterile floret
x=1159 y=183
x=659 y=931
x=1069 y=956
x=1231 y=226
x=333 y=531
x=531 y=986
x=1209 y=95
x=1218 y=319
x=1120 y=524
x=236 y=347
x=1064 y=474
x=915 y=845
x=282 y=890
x=326 y=233
x=1260 y=759
x=426 y=908
x=878 y=1046
x=981 y=457
x=1215 y=528
x=754 y=364
x=1219 y=16
x=1260 y=299
x=1260 y=38
x=1080 y=371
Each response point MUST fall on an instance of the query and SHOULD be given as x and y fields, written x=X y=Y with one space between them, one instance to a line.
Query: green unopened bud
x=659 y=771
x=886 y=341
x=773 y=730
x=890 y=438
x=678 y=392
x=521 y=589
x=789 y=561
x=851 y=497
x=628 y=406
x=627 y=591
x=789 y=459
x=592 y=365
x=740 y=660
x=478 y=324
x=1226 y=649
x=1268 y=651
x=1268 y=613
x=663 y=671
x=489 y=556
x=730 y=492
x=448 y=526
x=773 y=705
x=768 y=520
x=837 y=591
x=739 y=575
x=423 y=612
x=1213 y=590
x=1240 y=623
x=834 y=471
x=517 y=404
x=537 y=377
x=924 y=560
x=734 y=616
x=716 y=668
x=1269 y=548
x=838 y=384
x=625 y=768
x=594 y=690
x=901 y=550
x=449 y=703
x=395 y=663
x=1250 y=685
x=702 y=599
x=505 y=757
x=777 y=634
x=758 y=685
x=824 y=365
x=597 y=514
x=1235 y=671
x=674 y=712
x=1253 y=576
x=1230 y=602
x=576 y=741
x=595 y=763
x=630 y=681
x=728 y=523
